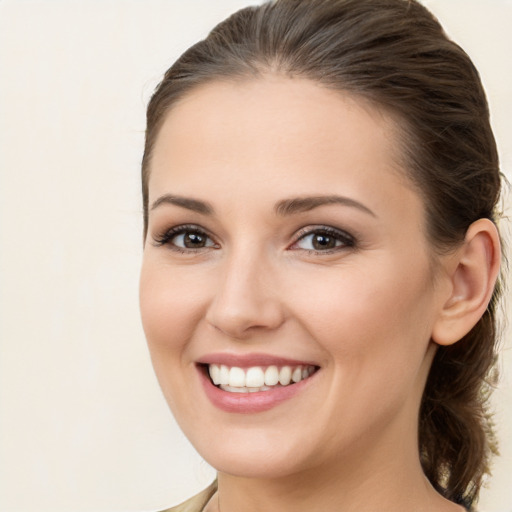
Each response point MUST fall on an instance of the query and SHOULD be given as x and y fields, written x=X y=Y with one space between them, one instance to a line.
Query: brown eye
x=191 y=239
x=194 y=240
x=324 y=240
x=184 y=238
x=321 y=242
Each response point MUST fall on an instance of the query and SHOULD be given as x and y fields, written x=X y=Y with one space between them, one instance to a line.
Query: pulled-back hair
x=395 y=54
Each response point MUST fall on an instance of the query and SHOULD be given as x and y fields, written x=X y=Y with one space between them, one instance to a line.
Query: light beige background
x=83 y=426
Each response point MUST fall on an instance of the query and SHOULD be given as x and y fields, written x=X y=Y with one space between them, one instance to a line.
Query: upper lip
x=248 y=360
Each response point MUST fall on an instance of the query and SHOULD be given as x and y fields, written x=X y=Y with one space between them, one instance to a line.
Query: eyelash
x=347 y=240
x=167 y=237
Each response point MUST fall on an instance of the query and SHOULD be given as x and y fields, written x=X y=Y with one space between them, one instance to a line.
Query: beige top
x=197 y=502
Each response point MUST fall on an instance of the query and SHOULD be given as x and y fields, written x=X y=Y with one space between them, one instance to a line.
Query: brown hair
x=394 y=53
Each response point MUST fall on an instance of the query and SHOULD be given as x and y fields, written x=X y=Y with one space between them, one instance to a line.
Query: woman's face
x=284 y=242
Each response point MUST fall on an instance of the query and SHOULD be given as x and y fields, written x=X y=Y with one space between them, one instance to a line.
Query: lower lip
x=249 y=403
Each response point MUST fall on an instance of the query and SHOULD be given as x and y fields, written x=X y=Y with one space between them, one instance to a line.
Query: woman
x=318 y=288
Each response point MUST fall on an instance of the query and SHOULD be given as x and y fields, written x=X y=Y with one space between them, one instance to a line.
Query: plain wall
x=83 y=425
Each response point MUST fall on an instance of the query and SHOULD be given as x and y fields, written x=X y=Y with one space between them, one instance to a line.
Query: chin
x=256 y=455
x=254 y=465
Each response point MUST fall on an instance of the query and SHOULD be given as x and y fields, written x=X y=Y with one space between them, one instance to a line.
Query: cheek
x=369 y=316
x=170 y=312
x=170 y=307
x=375 y=330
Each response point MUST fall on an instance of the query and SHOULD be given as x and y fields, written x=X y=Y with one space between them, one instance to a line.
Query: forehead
x=293 y=134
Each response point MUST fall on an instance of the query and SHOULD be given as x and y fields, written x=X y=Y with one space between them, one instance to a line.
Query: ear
x=472 y=274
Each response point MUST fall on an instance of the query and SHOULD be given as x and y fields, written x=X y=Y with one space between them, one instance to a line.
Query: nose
x=247 y=300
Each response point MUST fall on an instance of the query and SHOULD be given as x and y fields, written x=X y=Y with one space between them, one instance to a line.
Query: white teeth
x=214 y=371
x=256 y=378
x=271 y=376
x=244 y=389
x=234 y=389
x=236 y=377
x=297 y=374
x=285 y=376
x=224 y=375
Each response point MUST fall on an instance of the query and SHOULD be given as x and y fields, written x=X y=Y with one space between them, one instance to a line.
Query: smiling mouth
x=234 y=379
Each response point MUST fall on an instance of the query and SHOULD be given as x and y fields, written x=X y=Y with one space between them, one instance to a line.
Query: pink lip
x=248 y=360
x=249 y=403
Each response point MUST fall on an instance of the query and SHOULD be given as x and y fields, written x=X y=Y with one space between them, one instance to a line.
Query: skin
x=365 y=312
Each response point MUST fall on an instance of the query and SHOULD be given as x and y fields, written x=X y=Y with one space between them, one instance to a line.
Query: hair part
x=395 y=54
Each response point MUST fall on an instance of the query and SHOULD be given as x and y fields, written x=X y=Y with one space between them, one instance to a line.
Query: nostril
x=241 y=322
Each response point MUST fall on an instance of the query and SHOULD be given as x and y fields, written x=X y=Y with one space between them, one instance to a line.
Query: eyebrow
x=304 y=204
x=194 y=205
x=284 y=207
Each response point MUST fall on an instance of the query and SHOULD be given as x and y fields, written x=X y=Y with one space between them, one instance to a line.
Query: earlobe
x=473 y=276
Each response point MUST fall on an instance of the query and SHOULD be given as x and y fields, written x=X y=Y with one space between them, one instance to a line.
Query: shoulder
x=197 y=502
